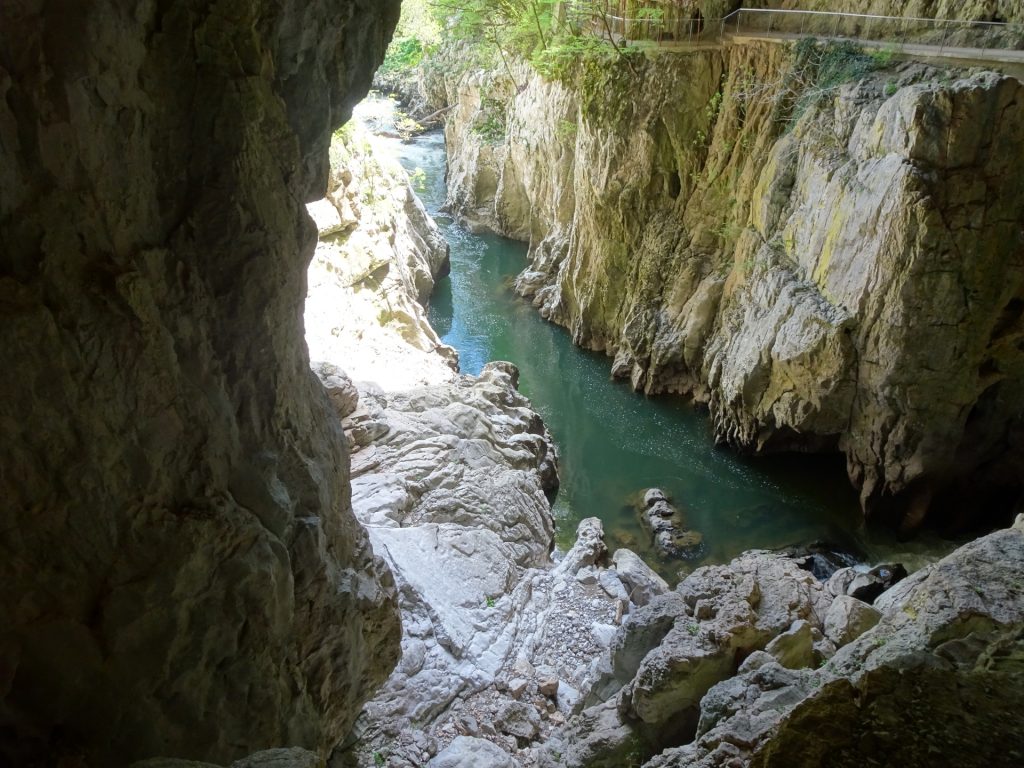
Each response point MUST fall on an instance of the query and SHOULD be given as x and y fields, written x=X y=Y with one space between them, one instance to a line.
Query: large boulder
x=643 y=583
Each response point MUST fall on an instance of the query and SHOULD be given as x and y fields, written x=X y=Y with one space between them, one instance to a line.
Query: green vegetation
x=553 y=36
x=820 y=69
x=418 y=33
x=566 y=130
x=490 y=121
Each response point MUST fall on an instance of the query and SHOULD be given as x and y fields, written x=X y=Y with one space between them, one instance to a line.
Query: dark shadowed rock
x=181 y=572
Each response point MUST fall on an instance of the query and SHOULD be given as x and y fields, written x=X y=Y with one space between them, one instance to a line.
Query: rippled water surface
x=614 y=443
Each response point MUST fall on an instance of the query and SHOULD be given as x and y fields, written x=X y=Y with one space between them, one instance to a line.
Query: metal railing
x=676 y=26
x=896 y=30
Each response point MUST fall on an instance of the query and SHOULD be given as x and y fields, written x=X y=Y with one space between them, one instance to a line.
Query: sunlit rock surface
x=833 y=273
x=374 y=268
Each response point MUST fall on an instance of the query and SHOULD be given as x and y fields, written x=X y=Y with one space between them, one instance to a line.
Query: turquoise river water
x=613 y=442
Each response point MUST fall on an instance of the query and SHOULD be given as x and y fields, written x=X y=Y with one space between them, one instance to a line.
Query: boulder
x=642 y=582
x=848 y=618
x=518 y=719
x=794 y=648
x=340 y=390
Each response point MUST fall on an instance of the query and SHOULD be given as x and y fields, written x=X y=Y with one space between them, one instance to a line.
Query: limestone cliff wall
x=826 y=268
x=181 y=572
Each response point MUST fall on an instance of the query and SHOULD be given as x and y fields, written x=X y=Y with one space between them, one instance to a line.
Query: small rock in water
x=654 y=495
x=671 y=537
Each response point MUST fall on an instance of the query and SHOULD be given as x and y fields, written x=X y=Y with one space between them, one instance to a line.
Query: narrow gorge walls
x=181 y=572
x=824 y=247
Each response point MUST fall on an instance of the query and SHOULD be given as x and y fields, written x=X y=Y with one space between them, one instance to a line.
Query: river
x=613 y=443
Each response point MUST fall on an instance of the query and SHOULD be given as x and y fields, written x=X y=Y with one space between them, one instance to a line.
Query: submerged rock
x=667 y=527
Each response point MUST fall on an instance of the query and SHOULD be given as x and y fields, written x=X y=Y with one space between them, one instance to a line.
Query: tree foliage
x=553 y=35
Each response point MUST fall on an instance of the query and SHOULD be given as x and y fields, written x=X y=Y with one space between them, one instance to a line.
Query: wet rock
x=667 y=527
x=822 y=560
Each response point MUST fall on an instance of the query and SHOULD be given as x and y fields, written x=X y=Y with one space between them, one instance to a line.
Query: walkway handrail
x=796 y=11
x=940 y=33
x=899 y=31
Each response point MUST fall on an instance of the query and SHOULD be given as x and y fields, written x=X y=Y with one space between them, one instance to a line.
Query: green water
x=612 y=441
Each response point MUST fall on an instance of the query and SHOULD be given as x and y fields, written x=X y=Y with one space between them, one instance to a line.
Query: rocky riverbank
x=758 y=664
x=451 y=475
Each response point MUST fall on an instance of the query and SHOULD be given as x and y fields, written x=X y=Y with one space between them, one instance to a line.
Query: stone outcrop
x=669 y=653
x=181 y=571
x=827 y=266
x=374 y=268
x=927 y=680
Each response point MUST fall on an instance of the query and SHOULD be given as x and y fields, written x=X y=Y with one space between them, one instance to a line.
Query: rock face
x=929 y=682
x=373 y=270
x=831 y=271
x=181 y=571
